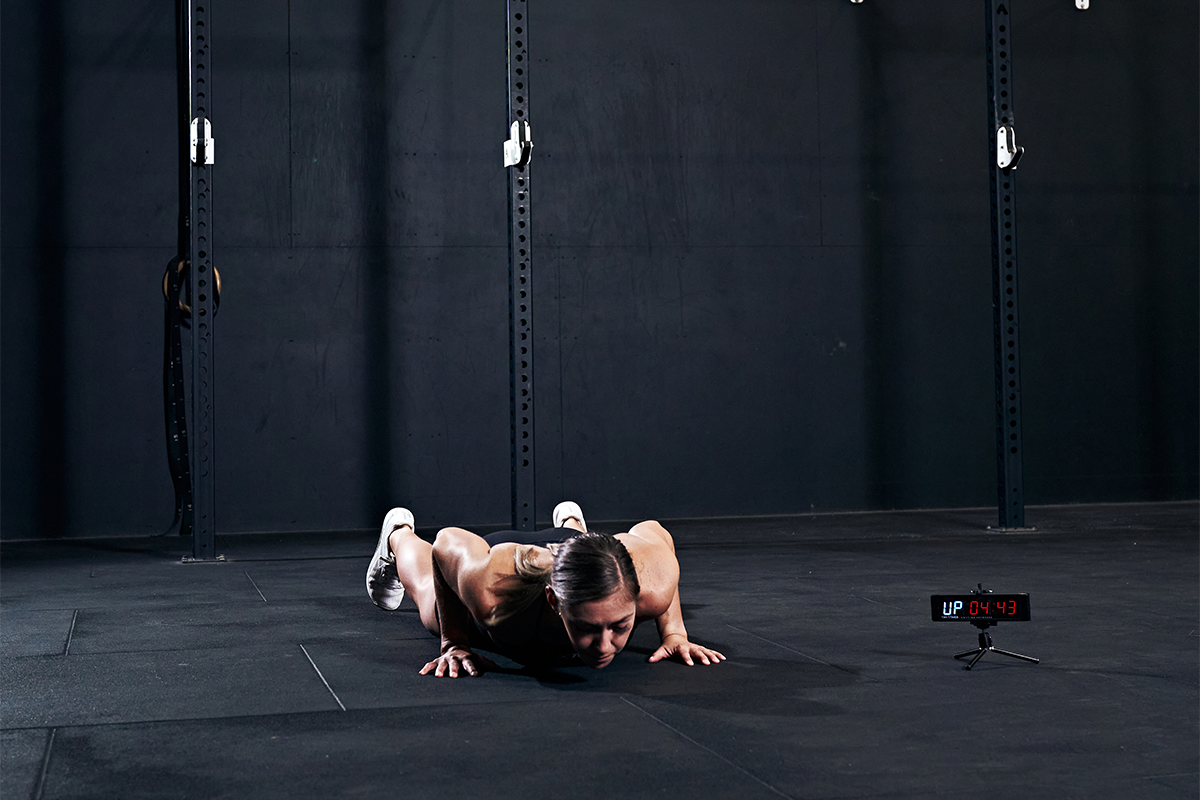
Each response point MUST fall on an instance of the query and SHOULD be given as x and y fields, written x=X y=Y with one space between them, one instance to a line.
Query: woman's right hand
x=456 y=659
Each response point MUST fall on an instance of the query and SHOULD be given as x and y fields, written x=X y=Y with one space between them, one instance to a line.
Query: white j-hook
x=1007 y=152
x=519 y=148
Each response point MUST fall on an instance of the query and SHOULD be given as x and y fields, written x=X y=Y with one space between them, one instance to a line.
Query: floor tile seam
x=848 y=540
x=255 y=585
x=321 y=675
x=337 y=712
x=897 y=674
x=40 y=786
x=1190 y=681
x=524 y=703
x=845 y=669
x=215 y=647
x=989 y=510
x=708 y=749
x=169 y=720
x=310 y=640
x=352 y=709
x=70 y=634
x=248 y=602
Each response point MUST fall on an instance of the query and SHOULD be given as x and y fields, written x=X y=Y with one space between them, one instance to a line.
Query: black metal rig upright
x=520 y=269
x=1004 y=154
x=203 y=280
x=174 y=389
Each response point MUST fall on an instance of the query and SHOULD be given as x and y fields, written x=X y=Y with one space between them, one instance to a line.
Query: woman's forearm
x=670 y=622
x=453 y=618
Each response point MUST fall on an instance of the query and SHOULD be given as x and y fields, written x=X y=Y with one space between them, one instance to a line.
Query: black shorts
x=539 y=538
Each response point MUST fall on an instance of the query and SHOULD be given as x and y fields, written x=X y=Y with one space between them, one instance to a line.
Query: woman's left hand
x=676 y=645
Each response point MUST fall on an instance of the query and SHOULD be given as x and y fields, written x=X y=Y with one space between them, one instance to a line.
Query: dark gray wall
x=762 y=262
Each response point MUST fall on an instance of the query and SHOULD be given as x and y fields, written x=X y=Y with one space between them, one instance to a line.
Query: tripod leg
x=978 y=656
x=985 y=644
x=1016 y=655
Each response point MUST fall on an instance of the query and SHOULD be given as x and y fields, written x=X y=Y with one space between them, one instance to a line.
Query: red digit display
x=973 y=607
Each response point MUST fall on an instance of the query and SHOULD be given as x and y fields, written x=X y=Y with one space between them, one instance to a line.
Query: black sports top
x=537 y=654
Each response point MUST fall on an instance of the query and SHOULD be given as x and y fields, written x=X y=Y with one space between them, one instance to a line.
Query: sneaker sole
x=394 y=519
x=565 y=510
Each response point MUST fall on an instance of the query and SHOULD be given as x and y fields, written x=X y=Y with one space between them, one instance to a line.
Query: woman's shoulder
x=650 y=543
x=649 y=534
x=498 y=567
x=494 y=581
x=653 y=554
x=504 y=558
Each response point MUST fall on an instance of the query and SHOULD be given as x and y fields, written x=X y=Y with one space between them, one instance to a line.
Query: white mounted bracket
x=1007 y=152
x=519 y=148
x=209 y=142
x=1082 y=5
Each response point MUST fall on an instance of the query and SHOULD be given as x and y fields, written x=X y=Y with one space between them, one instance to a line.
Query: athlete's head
x=594 y=588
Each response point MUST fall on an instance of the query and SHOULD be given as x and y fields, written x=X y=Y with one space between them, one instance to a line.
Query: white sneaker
x=383 y=583
x=565 y=511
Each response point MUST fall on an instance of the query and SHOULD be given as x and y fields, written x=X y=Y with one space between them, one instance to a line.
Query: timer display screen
x=970 y=607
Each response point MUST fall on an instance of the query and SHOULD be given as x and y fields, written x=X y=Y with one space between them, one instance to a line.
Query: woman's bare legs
x=414 y=565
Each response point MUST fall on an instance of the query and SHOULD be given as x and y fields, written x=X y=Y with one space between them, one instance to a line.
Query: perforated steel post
x=202 y=284
x=175 y=405
x=520 y=274
x=1010 y=492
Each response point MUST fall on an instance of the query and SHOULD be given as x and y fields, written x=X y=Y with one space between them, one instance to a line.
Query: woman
x=534 y=597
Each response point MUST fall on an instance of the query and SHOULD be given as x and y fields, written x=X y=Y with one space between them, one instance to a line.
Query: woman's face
x=599 y=629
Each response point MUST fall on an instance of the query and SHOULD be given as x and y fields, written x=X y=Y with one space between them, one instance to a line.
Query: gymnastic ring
x=181 y=267
x=178 y=264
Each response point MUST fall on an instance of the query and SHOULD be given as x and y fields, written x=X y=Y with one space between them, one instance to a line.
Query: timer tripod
x=985 y=646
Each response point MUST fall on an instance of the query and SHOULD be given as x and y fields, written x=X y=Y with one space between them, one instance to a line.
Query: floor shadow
x=756 y=686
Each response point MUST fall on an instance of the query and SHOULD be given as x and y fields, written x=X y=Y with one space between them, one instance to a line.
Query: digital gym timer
x=987 y=607
x=983 y=609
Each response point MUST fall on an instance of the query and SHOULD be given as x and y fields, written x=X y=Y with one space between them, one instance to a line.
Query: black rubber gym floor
x=127 y=674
